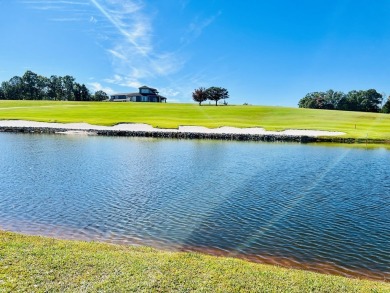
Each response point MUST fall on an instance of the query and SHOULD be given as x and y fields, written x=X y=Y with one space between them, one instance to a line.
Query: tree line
x=361 y=101
x=212 y=93
x=32 y=86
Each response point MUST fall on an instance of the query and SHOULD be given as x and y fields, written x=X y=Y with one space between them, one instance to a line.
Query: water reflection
x=305 y=206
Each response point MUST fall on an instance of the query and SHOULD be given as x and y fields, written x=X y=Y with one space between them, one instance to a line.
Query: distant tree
x=200 y=95
x=56 y=89
x=32 y=86
x=14 y=88
x=216 y=94
x=5 y=88
x=100 y=96
x=317 y=100
x=333 y=98
x=77 y=91
x=85 y=94
x=68 y=83
x=364 y=101
x=386 y=106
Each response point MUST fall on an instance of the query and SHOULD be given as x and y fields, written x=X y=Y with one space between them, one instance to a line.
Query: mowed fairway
x=354 y=124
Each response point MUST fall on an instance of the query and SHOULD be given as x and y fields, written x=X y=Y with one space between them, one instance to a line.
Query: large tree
x=364 y=101
x=32 y=86
x=68 y=83
x=386 y=106
x=14 y=88
x=217 y=93
x=200 y=95
x=100 y=96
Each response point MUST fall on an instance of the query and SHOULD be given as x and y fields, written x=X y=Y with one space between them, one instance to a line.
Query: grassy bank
x=29 y=263
x=354 y=124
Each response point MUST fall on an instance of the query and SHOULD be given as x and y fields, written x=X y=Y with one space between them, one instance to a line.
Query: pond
x=306 y=206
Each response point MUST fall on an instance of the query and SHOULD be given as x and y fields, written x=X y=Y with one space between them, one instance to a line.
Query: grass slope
x=37 y=264
x=370 y=125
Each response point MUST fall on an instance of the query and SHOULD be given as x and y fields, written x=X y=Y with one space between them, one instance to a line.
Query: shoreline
x=183 y=132
x=289 y=263
x=48 y=264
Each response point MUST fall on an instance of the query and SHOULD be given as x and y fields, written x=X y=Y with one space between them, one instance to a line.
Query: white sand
x=80 y=128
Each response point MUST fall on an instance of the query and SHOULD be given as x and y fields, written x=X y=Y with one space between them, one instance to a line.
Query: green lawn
x=37 y=264
x=368 y=125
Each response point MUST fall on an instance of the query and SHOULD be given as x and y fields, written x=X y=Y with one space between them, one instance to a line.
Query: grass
x=38 y=264
x=368 y=125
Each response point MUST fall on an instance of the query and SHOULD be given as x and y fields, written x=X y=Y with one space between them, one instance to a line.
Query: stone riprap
x=184 y=132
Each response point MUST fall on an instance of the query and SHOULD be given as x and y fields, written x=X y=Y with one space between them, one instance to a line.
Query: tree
x=317 y=100
x=100 y=96
x=32 y=86
x=14 y=88
x=386 y=106
x=2 y=96
x=200 y=95
x=85 y=94
x=68 y=82
x=56 y=90
x=364 y=101
x=216 y=94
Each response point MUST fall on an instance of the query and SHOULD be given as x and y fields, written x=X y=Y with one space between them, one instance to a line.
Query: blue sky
x=263 y=52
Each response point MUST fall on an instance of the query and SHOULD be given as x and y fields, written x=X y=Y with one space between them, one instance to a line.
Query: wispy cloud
x=57 y=2
x=124 y=29
x=135 y=60
x=197 y=26
x=96 y=86
x=125 y=81
x=169 y=92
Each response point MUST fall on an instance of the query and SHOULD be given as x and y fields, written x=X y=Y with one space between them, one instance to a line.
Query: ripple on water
x=317 y=208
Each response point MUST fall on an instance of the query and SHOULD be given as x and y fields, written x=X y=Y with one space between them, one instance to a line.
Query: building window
x=145 y=91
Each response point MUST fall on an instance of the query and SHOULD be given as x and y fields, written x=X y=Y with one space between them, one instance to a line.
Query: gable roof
x=146 y=87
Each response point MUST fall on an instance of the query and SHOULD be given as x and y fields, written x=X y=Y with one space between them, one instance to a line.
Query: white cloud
x=117 y=54
x=197 y=26
x=133 y=55
x=169 y=92
x=95 y=86
x=124 y=81
x=92 y=19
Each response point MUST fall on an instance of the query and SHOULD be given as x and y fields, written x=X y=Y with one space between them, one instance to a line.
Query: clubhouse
x=145 y=94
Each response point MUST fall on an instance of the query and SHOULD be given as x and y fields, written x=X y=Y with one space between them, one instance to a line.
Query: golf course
x=357 y=125
x=43 y=264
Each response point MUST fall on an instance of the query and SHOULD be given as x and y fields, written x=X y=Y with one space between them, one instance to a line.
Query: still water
x=313 y=207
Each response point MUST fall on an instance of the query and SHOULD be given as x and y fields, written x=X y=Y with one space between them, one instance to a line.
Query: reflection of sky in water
x=309 y=203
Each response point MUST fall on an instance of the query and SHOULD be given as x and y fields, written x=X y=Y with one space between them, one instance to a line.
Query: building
x=145 y=94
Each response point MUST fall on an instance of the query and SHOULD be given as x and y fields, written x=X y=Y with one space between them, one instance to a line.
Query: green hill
x=354 y=124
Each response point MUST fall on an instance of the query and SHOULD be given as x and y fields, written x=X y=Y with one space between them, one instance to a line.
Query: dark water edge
x=196 y=135
x=362 y=219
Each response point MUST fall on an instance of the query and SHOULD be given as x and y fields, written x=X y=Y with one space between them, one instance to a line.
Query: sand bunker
x=82 y=127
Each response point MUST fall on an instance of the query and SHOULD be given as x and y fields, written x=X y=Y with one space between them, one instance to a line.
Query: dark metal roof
x=127 y=94
x=140 y=94
x=146 y=87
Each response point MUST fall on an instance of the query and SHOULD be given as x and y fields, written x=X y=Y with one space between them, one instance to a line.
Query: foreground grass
x=36 y=264
x=368 y=125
